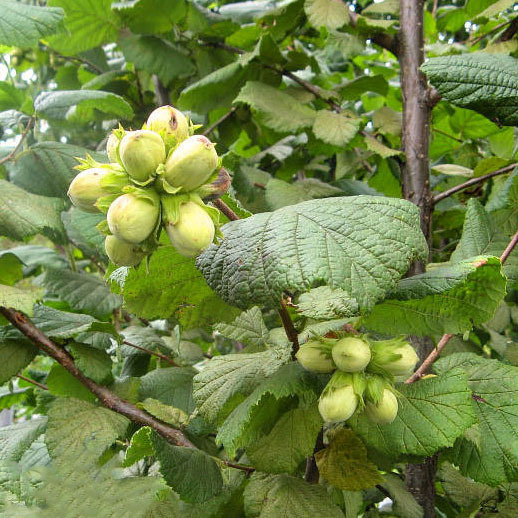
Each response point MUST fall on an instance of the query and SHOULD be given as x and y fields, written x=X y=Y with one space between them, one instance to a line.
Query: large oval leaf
x=361 y=244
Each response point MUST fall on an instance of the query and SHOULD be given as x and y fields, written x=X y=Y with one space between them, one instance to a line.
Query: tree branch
x=382 y=39
x=223 y=118
x=25 y=132
x=33 y=382
x=472 y=181
x=106 y=397
x=291 y=332
x=152 y=353
x=223 y=207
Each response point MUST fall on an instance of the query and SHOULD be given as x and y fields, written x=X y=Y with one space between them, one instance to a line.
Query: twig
x=25 y=132
x=311 y=474
x=152 y=353
x=472 y=181
x=291 y=332
x=437 y=130
x=510 y=31
x=223 y=118
x=384 y=40
x=106 y=397
x=434 y=8
x=430 y=359
x=34 y=382
x=223 y=46
x=248 y=469
x=75 y=59
x=223 y=207
x=162 y=93
x=494 y=29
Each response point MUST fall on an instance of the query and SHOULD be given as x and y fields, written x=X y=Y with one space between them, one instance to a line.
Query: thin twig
x=34 y=382
x=248 y=469
x=152 y=353
x=106 y=397
x=493 y=30
x=223 y=118
x=75 y=59
x=510 y=31
x=382 y=39
x=437 y=130
x=25 y=132
x=473 y=181
x=223 y=207
x=434 y=8
x=430 y=359
x=291 y=332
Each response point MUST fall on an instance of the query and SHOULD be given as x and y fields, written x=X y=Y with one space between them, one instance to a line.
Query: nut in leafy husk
x=141 y=152
x=86 y=188
x=112 y=148
x=315 y=356
x=395 y=356
x=339 y=399
x=385 y=410
x=122 y=253
x=191 y=164
x=132 y=217
x=351 y=354
x=170 y=123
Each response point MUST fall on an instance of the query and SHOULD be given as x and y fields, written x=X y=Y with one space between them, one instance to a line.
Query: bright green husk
x=385 y=411
x=141 y=152
x=395 y=356
x=315 y=356
x=112 y=146
x=86 y=188
x=132 y=217
x=351 y=354
x=191 y=164
x=169 y=122
x=121 y=253
x=338 y=401
x=192 y=231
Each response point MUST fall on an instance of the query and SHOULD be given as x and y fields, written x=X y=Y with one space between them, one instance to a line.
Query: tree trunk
x=416 y=188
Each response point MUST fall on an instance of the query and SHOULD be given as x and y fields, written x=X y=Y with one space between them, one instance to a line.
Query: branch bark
x=106 y=397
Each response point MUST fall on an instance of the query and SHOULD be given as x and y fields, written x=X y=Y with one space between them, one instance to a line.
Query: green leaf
x=248 y=328
x=260 y=412
x=11 y=268
x=272 y=496
x=23 y=25
x=173 y=287
x=324 y=303
x=488 y=453
x=480 y=236
x=181 y=467
x=94 y=363
x=329 y=13
x=343 y=463
x=82 y=106
x=18 y=222
x=77 y=426
x=82 y=229
x=84 y=292
x=10 y=96
x=353 y=90
x=20 y=299
x=166 y=413
x=228 y=379
x=431 y=415
x=486 y=83
x=405 y=505
x=279 y=111
x=172 y=386
x=364 y=245
x=289 y=442
x=140 y=446
x=47 y=168
x=374 y=145
x=157 y=56
x=150 y=16
x=16 y=438
x=446 y=299
x=215 y=90
x=280 y=193
x=16 y=355
x=89 y=23
x=33 y=256
x=61 y=383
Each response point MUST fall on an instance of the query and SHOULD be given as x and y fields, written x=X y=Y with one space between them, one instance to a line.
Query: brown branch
x=472 y=181
x=222 y=119
x=430 y=359
x=289 y=328
x=152 y=353
x=34 y=382
x=382 y=39
x=510 y=31
x=25 y=132
x=248 y=469
x=106 y=397
x=223 y=207
x=312 y=474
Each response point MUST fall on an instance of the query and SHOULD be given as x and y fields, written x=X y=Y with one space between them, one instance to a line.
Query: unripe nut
x=112 y=145
x=191 y=164
x=85 y=189
x=131 y=218
x=141 y=152
x=193 y=232
x=385 y=411
x=315 y=357
x=338 y=404
x=170 y=122
x=405 y=364
x=121 y=253
x=351 y=354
